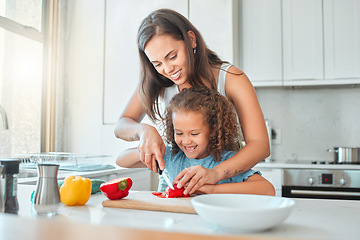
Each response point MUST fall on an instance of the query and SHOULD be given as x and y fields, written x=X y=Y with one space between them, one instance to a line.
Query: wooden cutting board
x=145 y=200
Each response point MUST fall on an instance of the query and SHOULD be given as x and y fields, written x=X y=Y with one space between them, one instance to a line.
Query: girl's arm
x=255 y=184
x=129 y=128
x=241 y=93
x=130 y=158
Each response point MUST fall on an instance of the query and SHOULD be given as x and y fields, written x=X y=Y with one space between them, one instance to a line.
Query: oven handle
x=313 y=192
x=320 y=192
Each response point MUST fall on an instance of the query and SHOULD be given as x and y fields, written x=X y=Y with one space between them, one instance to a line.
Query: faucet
x=4 y=118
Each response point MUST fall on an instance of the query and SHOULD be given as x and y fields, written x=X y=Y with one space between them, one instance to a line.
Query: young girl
x=174 y=56
x=202 y=131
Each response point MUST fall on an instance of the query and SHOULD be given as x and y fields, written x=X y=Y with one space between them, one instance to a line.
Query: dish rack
x=67 y=161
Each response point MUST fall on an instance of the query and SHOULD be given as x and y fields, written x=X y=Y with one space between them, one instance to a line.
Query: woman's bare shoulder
x=233 y=70
x=236 y=81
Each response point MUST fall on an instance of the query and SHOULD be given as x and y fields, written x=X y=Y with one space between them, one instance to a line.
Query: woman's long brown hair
x=199 y=64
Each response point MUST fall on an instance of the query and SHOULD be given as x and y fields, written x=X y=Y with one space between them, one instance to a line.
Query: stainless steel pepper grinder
x=47 y=195
x=9 y=182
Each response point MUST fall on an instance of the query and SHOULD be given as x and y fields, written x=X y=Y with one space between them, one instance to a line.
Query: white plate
x=242 y=212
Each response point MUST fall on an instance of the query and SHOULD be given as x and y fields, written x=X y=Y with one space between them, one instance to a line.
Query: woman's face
x=169 y=58
x=191 y=133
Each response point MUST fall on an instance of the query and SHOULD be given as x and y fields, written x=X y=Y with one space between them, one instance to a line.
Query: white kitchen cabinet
x=318 y=42
x=218 y=24
x=302 y=39
x=321 y=41
x=261 y=41
x=273 y=175
x=342 y=39
x=141 y=177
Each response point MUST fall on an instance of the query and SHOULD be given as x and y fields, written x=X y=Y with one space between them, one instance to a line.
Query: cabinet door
x=342 y=39
x=141 y=178
x=216 y=21
x=261 y=41
x=121 y=58
x=302 y=39
x=273 y=175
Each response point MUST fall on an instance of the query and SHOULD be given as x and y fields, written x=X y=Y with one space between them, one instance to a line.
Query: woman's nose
x=168 y=68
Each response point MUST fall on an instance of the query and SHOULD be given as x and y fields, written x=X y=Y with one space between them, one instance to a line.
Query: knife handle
x=158 y=168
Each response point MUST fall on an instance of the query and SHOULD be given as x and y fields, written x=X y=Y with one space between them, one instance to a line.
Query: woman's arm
x=255 y=184
x=130 y=158
x=241 y=93
x=129 y=128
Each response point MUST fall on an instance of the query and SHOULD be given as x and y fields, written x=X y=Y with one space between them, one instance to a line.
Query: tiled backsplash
x=312 y=120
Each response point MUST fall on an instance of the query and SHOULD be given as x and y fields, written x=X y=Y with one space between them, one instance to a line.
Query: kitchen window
x=27 y=75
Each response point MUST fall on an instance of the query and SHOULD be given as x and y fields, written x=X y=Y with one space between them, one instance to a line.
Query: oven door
x=321 y=183
x=321 y=192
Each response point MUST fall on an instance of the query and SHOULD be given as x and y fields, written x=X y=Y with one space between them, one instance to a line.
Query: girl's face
x=169 y=58
x=191 y=133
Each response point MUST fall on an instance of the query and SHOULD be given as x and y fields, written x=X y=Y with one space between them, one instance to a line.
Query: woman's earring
x=194 y=50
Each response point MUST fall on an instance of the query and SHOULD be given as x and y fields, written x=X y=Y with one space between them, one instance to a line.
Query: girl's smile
x=191 y=133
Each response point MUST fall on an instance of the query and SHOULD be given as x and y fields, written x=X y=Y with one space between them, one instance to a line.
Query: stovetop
x=318 y=162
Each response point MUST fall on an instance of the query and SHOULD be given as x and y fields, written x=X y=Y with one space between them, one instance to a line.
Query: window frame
x=48 y=37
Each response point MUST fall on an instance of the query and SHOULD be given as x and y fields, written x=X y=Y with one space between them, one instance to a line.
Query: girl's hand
x=206 y=189
x=151 y=148
x=193 y=178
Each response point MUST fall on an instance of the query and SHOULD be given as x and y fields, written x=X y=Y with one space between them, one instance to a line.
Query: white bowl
x=242 y=212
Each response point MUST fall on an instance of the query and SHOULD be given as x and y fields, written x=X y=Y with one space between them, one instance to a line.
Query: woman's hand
x=151 y=148
x=193 y=178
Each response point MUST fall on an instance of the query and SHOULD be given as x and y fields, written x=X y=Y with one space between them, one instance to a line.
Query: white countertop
x=306 y=165
x=311 y=219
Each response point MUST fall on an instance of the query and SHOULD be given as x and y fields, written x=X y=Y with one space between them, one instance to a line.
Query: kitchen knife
x=167 y=180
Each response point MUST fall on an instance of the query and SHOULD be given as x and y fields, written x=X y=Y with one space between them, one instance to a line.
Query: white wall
x=83 y=72
x=312 y=120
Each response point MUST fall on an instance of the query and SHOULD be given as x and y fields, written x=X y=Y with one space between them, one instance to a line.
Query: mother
x=174 y=56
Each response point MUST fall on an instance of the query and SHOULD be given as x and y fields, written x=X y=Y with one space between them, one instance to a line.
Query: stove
x=322 y=162
x=323 y=180
x=332 y=163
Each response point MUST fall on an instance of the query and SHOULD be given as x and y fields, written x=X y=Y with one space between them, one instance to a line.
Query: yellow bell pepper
x=75 y=190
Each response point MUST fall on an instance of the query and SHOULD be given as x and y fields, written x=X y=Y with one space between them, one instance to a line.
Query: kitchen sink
x=27 y=173
x=28 y=176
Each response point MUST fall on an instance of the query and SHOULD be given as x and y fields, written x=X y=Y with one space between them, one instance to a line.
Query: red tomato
x=177 y=192
x=169 y=193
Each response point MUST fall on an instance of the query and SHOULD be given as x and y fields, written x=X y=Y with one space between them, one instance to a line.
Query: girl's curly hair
x=218 y=113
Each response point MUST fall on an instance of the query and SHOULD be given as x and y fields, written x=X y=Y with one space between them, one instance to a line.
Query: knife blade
x=167 y=180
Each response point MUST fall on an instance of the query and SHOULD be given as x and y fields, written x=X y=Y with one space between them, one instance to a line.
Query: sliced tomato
x=177 y=192
x=157 y=193
x=169 y=193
